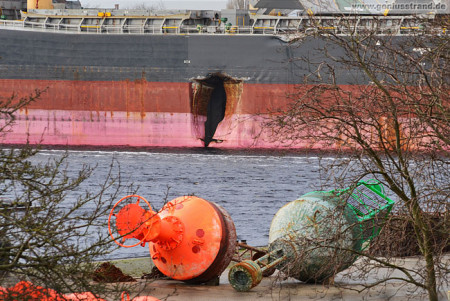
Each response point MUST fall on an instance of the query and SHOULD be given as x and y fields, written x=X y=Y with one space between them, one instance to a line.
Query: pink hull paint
x=83 y=128
x=80 y=128
x=122 y=129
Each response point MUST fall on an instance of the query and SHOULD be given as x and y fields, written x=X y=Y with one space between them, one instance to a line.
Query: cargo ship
x=141 y=78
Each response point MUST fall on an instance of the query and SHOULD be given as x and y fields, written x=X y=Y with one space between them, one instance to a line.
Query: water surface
x=250 y=186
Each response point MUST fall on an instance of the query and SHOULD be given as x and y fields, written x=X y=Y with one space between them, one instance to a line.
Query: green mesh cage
x=370 y=204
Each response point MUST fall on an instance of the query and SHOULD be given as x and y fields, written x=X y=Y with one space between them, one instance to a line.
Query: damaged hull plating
x=151 y=90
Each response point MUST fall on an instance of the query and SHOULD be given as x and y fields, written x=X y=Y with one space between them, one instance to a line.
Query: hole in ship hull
x=214 y=99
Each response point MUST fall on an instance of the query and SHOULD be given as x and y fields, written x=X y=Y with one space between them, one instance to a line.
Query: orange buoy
x=190 y=238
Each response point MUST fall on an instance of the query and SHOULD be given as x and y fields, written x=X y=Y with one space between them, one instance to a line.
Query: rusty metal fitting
x=245 y=275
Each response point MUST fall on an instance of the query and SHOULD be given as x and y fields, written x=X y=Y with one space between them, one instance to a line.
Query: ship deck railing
x=261 y=25
x=11 y=23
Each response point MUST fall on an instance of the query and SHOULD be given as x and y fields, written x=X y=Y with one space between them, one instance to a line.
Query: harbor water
x=250 y=186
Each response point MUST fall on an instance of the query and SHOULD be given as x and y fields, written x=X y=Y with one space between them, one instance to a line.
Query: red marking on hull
x=136 y=96
x=123 y=96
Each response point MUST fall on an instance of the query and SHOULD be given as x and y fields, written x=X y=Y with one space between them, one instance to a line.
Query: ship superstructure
x=227 y=22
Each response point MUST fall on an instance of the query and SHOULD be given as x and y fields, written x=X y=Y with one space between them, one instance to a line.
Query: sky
x=168 y=4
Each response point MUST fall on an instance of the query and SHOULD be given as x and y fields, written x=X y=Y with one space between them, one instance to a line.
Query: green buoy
x=319 y=235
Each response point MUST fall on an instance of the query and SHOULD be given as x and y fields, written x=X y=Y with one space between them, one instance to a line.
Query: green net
x=370 y=204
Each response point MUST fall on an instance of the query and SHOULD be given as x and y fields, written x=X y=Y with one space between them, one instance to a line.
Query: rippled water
x=250 y=186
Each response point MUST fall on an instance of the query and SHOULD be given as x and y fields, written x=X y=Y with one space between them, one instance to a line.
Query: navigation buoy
x=317 y=236
x=189 y=239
